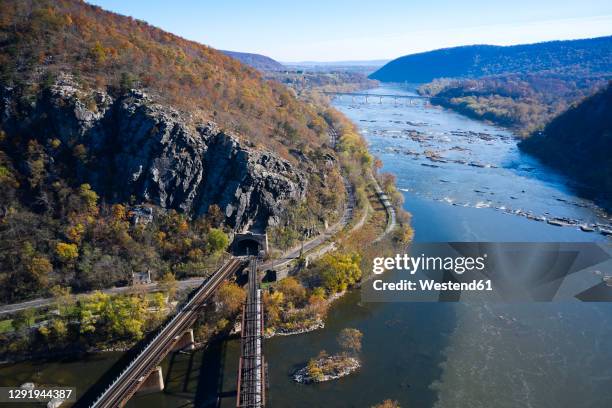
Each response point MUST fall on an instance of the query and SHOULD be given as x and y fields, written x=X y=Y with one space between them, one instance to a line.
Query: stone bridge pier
x=153 y=383
x=185 y=342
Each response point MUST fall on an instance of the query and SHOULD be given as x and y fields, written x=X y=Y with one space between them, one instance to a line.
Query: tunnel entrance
x=246 y=247
x=249 y=244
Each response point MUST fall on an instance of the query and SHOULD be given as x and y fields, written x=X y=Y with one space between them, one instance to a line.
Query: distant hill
x=348 y=63
x=365 y=67
x=588 y=55
x=257 y=61
x=579 y=143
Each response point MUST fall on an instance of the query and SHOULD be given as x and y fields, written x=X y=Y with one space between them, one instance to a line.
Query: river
x=463 y=180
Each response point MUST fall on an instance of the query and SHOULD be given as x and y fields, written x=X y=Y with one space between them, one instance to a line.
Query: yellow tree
x=168 y=284
x=63 y=298
x=230 y=298
x=66 y=252
x=293 y=290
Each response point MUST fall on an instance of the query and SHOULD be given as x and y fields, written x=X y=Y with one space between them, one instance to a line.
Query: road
x=151 y=287
x=347 y=215
x=295 y=252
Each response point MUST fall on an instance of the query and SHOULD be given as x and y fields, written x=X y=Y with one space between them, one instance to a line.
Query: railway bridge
x=143 y=370
x=251 y=368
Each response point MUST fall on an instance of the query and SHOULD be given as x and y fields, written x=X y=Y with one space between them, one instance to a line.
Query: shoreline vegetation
x=522 y=102
x=99 y=322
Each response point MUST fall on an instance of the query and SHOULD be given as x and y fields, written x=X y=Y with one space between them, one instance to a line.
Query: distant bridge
x=374 y=96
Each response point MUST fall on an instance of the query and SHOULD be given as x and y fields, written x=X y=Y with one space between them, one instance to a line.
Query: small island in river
x=325 y=367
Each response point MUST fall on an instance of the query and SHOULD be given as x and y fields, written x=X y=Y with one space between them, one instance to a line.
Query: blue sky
x=336 y=30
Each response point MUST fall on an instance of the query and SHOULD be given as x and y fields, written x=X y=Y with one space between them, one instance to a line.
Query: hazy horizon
x=324 y=31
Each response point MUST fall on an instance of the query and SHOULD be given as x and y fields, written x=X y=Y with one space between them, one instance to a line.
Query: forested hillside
x=579 y=143
x=126 y=149
x=40 y=39
x=525 y=102
x=257 y=61
x=473 y=61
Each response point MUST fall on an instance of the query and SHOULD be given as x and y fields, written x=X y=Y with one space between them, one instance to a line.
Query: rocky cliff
x=130 y=147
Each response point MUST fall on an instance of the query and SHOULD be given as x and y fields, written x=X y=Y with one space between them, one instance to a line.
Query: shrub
x=66 y=252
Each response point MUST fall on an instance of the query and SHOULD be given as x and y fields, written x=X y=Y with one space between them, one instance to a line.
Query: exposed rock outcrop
x=134 y=147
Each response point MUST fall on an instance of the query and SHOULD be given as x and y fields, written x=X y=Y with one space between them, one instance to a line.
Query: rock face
x=137 y=148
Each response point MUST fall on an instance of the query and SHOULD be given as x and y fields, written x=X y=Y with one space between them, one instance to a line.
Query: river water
x=462 y=180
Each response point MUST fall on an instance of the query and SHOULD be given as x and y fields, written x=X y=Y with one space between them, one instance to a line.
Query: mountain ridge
x=473 y=61
x=257 y=61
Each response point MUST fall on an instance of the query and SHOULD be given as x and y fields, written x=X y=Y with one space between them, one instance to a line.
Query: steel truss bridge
x=367 y=97
x=142 y=368
x=251 y=368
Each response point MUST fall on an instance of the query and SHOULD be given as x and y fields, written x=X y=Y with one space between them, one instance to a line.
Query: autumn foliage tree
x=339 y=270
x=350 y=340
x=230 y=298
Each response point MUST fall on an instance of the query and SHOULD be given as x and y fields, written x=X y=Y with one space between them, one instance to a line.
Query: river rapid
x=462 y=180
x=465 y=180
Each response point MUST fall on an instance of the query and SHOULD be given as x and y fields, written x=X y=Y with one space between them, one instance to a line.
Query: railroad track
x=127 y=383
x=251 y=368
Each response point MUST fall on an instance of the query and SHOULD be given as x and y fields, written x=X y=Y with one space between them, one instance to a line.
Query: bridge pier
x=185 y=342
x=153 y=383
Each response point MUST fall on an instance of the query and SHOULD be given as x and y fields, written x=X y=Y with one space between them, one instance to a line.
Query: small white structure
x=141 y=278
x=141 y=214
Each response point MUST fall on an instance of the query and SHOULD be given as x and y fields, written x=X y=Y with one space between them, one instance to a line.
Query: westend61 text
x=432 y=285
